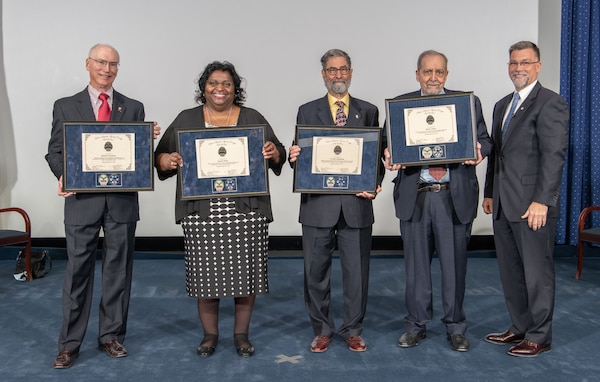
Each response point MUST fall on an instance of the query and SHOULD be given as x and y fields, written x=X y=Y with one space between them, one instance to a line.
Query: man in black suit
x=530 y=133
x=436 y=206
x=86 y=213
x=343 y=219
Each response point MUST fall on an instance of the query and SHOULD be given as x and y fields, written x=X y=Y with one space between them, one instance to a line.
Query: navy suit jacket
x=464 y=188
x=88 y=208
x=317 y=210
x=527 y=166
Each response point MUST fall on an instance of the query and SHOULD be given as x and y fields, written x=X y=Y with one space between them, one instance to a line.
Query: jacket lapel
x=118 y=107
x=354 y=117
x=83 y=107
x=324 y=113
x=516 y=119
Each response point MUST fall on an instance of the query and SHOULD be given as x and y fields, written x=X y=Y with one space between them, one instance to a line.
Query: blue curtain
x=580 y=87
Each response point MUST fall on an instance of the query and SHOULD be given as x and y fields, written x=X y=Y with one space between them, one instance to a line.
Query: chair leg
x=579 y=259
x=28 y=261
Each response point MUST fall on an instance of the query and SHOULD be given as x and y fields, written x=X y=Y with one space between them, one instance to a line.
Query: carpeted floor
x=164 y=331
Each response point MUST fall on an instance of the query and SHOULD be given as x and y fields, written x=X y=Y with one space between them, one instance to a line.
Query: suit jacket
x=317 y=210
x=88 y=208
x=527 y=166
x=464 y=188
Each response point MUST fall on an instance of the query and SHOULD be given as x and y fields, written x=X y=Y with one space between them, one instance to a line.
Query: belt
x=433 y=187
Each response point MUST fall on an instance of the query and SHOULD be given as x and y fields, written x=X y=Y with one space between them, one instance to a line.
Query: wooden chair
x=12 y=237
x=591 y=235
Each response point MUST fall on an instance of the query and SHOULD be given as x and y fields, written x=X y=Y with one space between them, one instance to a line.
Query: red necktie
x=104 y=110
x=437 y=172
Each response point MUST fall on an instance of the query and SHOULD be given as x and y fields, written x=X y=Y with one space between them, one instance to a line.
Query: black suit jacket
x=464 y=188
x=318 y=210
x=527 y=166
x=87 y=208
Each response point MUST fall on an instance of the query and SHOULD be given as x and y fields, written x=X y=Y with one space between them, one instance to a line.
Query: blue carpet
x=164 y=330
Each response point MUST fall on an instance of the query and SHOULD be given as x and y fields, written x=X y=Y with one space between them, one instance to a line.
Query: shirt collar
x=94 y=93
x=332 y=100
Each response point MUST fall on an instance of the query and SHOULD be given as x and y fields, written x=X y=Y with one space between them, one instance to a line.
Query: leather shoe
x=505 y=338
x=65 y=359
x=356 y=343
x=527 y=348
x=409 y=340
x=242 y=345
x=114 y=349
x=458 y=342
x=207 y=345
x=320 y=344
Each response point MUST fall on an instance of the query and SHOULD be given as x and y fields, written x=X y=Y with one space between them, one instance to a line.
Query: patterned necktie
x=511 y=112
x=437 y=172
x=104 y=110
x=340 y=116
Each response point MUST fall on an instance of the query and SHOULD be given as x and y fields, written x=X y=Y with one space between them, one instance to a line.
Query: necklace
x=213 y=121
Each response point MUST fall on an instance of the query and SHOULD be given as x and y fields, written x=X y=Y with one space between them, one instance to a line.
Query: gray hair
x=430 y=52
x=334 y=53
x=93 y=48
x=524 y=45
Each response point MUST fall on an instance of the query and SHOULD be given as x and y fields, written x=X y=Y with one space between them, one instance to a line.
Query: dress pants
x=525 y=259
x=434 y=226
x=117 y=264
x=354 y=245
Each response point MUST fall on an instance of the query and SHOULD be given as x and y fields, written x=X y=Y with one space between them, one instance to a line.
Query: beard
x=437 y=89
x=519 y=79
x=337 y=86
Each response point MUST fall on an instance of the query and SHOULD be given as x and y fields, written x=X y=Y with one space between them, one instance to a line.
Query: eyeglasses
x=333 y=71
x=225 y=84
x=103 y=63
x=524 y=64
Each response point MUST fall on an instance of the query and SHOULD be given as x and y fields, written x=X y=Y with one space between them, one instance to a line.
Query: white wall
x=275 y=45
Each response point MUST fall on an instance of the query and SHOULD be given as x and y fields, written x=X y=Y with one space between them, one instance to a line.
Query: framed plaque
x=337 y=160
x=223 y=162
x=108 y=156
x=432 y=129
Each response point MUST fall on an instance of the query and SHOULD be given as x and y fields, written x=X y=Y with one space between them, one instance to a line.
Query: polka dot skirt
x=226 y=255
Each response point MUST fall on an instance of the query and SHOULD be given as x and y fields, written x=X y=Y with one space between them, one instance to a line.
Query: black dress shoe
x=527 y=348
x=65 y=359
x=242 y=345
x=114 y=349
x=409 y=340
x=207 y=345
x=505 y=338
x=458 y=342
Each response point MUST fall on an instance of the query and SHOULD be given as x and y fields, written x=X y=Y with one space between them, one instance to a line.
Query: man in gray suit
x=436 y=206
x=343 y=219
x=530 y=133
x=86 y=213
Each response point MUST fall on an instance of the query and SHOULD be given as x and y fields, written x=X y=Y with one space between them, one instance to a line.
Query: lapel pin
x=120 y=109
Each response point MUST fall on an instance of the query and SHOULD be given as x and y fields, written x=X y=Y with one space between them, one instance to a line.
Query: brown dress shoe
x=319 y=344
x=64 y=359
x=527 y=348
x=356 y=343
x=114 y=349
x=505 y=338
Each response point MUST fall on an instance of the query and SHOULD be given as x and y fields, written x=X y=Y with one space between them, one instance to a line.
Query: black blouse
x=194 y=118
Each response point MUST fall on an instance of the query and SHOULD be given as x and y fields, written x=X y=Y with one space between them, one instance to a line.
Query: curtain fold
x=580 y=87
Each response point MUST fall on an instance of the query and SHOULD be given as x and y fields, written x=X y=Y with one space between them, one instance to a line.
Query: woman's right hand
x=169 y=162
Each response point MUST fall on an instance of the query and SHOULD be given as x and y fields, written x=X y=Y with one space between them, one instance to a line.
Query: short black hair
x=240 y=93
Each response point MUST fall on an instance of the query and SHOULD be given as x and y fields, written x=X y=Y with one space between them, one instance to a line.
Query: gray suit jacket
x=464 y=188
x=527 y=166
x=318 y=210
x=88 y=208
